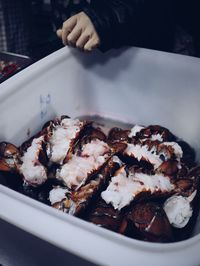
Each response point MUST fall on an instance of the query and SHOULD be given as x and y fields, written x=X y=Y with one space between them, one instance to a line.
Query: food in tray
x=140 y=182
x=7 y=68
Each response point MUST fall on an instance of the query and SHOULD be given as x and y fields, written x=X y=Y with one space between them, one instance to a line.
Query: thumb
x=59 y=33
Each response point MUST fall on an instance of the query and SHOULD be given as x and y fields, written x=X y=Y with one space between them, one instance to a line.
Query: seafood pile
x=140 y=182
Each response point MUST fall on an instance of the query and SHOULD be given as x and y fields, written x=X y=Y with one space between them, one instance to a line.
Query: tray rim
x=6 y=88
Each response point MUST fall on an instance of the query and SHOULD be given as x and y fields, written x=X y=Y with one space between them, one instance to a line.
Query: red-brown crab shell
x=147 y=132
x=118 y=135
x=105 y=216
x=147 y=221
x=9 y=157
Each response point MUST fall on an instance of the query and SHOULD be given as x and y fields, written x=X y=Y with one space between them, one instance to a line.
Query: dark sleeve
x=144 y=23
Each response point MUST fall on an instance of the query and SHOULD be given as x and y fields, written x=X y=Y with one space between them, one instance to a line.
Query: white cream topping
x=75 y=172
x=135 y=130
x=117 y=160
x=176 y=147
x=178 y=210
x=142 y=151
x=32 y=170
x=122 y=189
x=156 y=137
x=57 y=194
x=61 y=139
x=95 y=148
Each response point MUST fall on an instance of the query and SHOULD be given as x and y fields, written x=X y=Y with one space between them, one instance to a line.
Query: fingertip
x=88 y=47
x=59 y=33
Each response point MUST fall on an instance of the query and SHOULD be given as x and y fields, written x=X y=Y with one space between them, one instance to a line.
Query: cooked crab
x=76 y=202
x=90 y=155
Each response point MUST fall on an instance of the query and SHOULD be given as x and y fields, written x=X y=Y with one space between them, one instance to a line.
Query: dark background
x=30 y=26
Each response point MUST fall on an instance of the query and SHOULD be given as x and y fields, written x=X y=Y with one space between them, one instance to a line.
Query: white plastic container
x=134 y=86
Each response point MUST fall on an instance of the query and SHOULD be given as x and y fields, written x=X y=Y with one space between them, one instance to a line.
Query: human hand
x=78 y=31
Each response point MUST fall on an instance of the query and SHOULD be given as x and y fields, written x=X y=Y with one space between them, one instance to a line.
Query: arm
x=112 y=20
x=143 y=23
x=115 y=23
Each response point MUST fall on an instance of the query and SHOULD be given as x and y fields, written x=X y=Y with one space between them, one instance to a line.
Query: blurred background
x=28 y=31
x=28 y=27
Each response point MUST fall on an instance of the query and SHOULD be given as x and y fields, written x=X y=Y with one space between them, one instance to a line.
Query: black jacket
x=144 y=23
x=168 y=25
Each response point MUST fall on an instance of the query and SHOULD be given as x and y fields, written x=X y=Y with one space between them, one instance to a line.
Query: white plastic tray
x=134 y=86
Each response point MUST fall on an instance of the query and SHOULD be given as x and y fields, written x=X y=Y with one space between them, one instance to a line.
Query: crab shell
x=91 y=134
x=118 y=135
x=147 y=221
x=9 y=165
x=147 y=132
x=9 y=157
x=78 y=201
x=167 y=167
x=105 y=216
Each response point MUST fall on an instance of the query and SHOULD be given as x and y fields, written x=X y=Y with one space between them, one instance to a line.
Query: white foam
x=33 y=171
x=135 y=130
x=61 y=138
x=75 y=172
x=57 y=194
x=178 y=210
x=122 y=189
